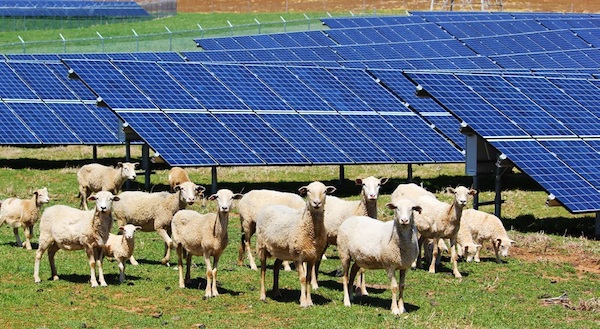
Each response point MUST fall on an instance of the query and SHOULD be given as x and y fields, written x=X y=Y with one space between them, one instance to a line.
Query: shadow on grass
x=575 y=227
x=199 y=283
x=383 y=303
x=293 y=296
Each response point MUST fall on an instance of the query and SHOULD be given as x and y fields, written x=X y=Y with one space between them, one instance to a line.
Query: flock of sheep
x=289 y=227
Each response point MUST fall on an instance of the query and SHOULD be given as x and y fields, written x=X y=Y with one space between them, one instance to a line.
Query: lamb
x=481 y=226
x=373 y=244
x=249 y=207
x=67 y=228
x=296 y=235
x=95 y=177
x=23 y=213
x=154 y=211
x=177 y=175
x=121 y=247
x=203 y=235
x=441 y=220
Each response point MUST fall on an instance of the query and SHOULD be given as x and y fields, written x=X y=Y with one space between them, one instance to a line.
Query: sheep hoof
x=55 y=278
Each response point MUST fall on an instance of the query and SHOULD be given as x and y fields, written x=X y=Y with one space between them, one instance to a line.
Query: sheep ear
x=116 y=198
x=383 y=180
x=213 y=197
x=417 y=209
x=135 y=164
x=138 y=227
x=303 y=190
x=330 y=189
x=472 y=192
x=121 y=227
x=176 y=188
x=92 y=198
x=358 y=181
x=119 y=164
x=450 y=190
x=390 y=205
x=237 y=196
x=200 y=189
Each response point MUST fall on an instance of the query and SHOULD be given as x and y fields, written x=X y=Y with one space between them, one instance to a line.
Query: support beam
x=409 y=173
x=498 y=192
x=213 y=185
x=127 y=159
x=95 y=152
x=146 y=165
x=597 y=228
x=342 y=176
x=476 y=188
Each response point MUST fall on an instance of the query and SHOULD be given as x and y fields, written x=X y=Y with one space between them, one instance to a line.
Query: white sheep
x=481 y=226
x=248 y=208
x=296 y=235
x=120 y=247
x=203 y=235
x=95 y=177
x=441 y=220
x=410 y=191
x=177 y=175
x=154 y=211
x=337 y=210
x=23 y=213
x=373 y=244
x=67 y=228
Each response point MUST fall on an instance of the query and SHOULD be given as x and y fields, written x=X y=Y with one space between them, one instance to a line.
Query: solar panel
x=156 y=84
x=166 y=138
x=204 y=86
x=578 y=155
x=43 y=81
x=551 y=173
x=448 y=125
x=77 y=86
x=585 y=92
x=14 y=130
x=219 y=142
x=11 y=87
x=88 y=128
x=261 y=138
x=44 y=123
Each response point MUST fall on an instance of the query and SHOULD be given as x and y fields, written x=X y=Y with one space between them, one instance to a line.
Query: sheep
x=95 y=177
x=337 y=210
x=481 y=226
x=23 y=213
x=296 y=235
x=120 y=247
x=67 y=228
x=410 y=191
x=373 y=244
x=441 y=220
x=154 y=211
x=248 y=208
x=177 y=175
x=203 y=235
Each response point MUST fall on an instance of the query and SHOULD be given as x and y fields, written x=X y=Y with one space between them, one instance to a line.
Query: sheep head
x=461 y=194
x=403 y=211
x=371 y=186
x=129 y=230
x=104 y=200
x=128 y=169
x=188 y=192
x=224 y=198
x=42 y=196
x=315 y=193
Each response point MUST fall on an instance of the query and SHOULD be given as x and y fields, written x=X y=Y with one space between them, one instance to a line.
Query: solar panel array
x=74 y=8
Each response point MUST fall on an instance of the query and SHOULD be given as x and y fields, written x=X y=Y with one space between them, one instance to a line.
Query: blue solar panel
x=447 y=125
x=578 y=155
x=311 y=143
x=166 y=138
x=42 y=80
x=11 y=87
x=515 y=105
x=14 y=131
x=88 y=128
x=289 y=88
x=76 y=85
x=33 y=57
x=582 y=91
x=331 y=90
x=163 y=90
x=203 y=85
x=354 y=144
x=248 y=87
x=554 y=101
x=425 y=138
x=552 y=174
x=44 y=123
x=219 y=142
x=390 y=140
x=261 y=138
x=466 y=104
x=107 y=81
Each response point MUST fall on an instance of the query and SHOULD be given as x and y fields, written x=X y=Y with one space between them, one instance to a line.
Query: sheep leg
x=209 y=277
x=418 y=261
x=133 y=261
x=434 y=255
x=17 y=237
x=276 y=268
x=99 y=255
x=454 y=258
x=496 y=250
x=263 y=270
x=345 y=266
x=121 y=270
x=241 y=250
x=36 y=267
x=286 y=266
x=84 y=193
x=28 y=230
x=362 y=283
x=180 y=265
x=247 y=238
x=355 y=268
x=308 y=271
x=92 y=262
x=188 y=266
x=51 y=252
x=303 y=286
x=165 y=236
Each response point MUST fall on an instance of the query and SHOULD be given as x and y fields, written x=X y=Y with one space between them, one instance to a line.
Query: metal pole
x=213 y=185
x=127 y=159
x=342 y=174
x=257 y=23
x=409 y=173
x=102 y=40
x=597 y=229
x=308 y=21
x=95 y=152
x=498 y=186
x=146 y=165
x=284 y=24
x=137 y=40
x=476 y=188
x=170 y=39
x=230 y=28
x=22 y=43
x=64 y=42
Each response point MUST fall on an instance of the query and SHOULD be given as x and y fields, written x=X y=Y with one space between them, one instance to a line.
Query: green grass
x=489 y=295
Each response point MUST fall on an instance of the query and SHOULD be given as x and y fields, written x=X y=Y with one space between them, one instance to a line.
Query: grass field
x=490 y=295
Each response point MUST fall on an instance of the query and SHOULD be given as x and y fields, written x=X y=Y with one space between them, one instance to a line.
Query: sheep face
x=403 y=211
x=128 y=169
x=371 y=186
x=315 y=193
x=129 y=230
x=461 y=194
x=503 y=245
x=189 y=192
x=224 y=199
x=42 y=195
x=104 y=200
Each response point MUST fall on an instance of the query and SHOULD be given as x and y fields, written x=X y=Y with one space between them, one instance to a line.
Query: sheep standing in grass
x=154 y=211
x=203 y=235
x=410 y=191
x=63 y=227
x=481 y=226
x=249 y=207
x=373 y=244
x=95 y=177
x=23 y=213
x=296 y=235
x=338 y=210
x=177 y=175
x=120 y=247
x=440 y=220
